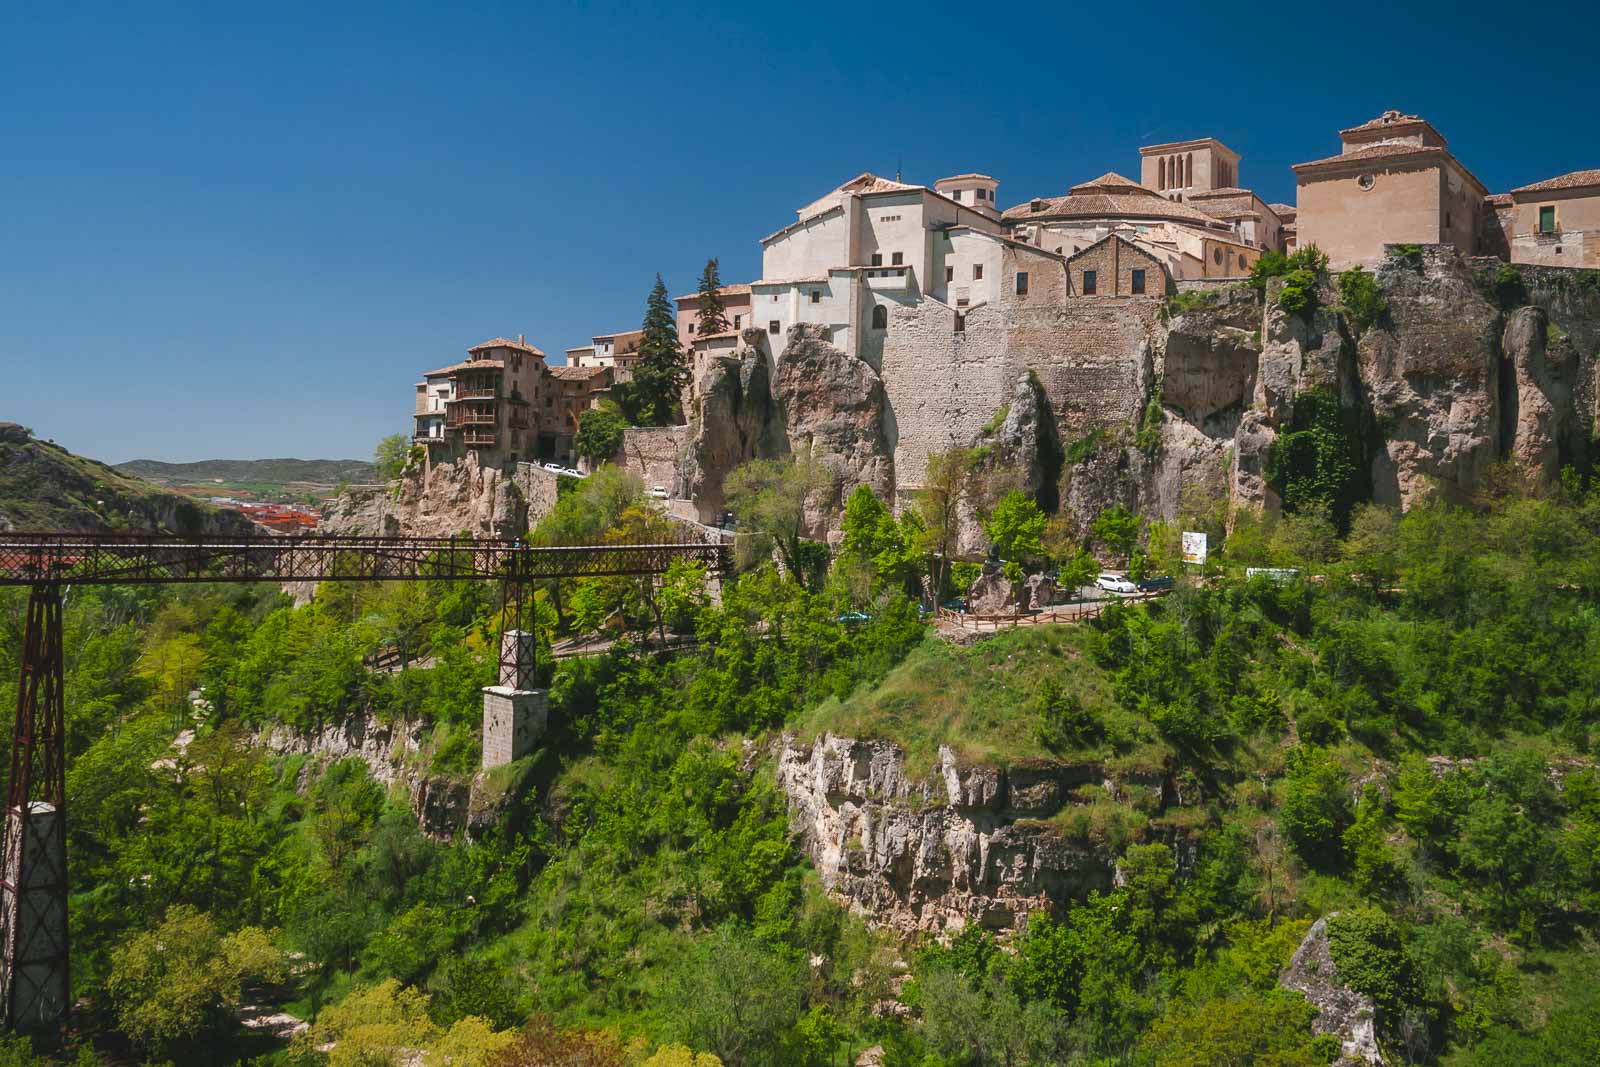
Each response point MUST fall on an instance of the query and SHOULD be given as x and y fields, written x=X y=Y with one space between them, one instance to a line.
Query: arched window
x=1161 y=166
x=1188 y=170
x=880 y=318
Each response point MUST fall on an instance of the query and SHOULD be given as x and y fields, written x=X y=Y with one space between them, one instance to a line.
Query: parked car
x=853 y=618
x=1116 y=583
x=553 y=467
x=1160 y=584
x=1275 y=575
x=659 y=492
x=957 y=604
x=572 y=472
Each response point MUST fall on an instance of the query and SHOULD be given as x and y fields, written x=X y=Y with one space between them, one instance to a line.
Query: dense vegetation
x=1408 y=740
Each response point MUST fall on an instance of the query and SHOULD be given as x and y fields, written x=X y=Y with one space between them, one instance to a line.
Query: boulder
x=1341 y=1011
x=1038 y=591
x=1539 y=408
x=733 y=421
x=993 y=594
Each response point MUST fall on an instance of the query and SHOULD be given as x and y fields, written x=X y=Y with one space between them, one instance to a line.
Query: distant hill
x=252 y=471
x=45 y=487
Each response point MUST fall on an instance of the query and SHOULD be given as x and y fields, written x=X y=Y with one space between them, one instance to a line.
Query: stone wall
x=653 y=454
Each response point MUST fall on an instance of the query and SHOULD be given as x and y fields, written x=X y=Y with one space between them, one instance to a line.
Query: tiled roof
x=580 y=348
x=1376 y=151
x=577 y=374
x=1283 y=211
x=1499 y=200
x=620 y=339
x=963 y=177
x=716 y=336
x=1197 y=142
x=1105 y=205
x=506 y=342
x=1578 y=179
x=1387 y=120
x=1207 y=194
x=471 y=364
x=1111 y=180
x=726 y=290
x=808 y=280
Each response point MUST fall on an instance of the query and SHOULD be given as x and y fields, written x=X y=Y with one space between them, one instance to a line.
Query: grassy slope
x=45 y=487
x=979 y=700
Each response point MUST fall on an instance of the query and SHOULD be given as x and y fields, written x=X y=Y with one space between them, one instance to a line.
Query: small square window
x=949 y=274
x=1138 y=282
x=983 y=194
x=956 y=196
x=877 y=259
x=898 y=259
x=977 y=272
x=691 y=329
x=816 y=296
x=1088 y=283
x=1547 y=219
x=1022 y=283
x=961 y=323
x=962 y=302
x=772 y=327
x=737 y=320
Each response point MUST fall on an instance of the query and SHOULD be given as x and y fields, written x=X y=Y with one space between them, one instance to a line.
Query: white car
x=571 y=472
x=555 y=467
x=1116 y=583
x=659 y=492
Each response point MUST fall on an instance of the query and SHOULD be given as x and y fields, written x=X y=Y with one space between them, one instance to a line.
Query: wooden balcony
x=491 y=393
x=467 y=417
x=478 y=439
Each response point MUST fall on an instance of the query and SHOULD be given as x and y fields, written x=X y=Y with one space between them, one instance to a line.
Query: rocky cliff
x=446 y=499
x=965 y=845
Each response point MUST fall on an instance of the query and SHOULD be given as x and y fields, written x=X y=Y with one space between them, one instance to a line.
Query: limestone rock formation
x=734 y=420
x=1432 y=379
x=1341 y=1011
x=993 y=594
x=1539 y=408
x=445 y=499
x=1038 y=591
x=958 y=848
x=831 y=403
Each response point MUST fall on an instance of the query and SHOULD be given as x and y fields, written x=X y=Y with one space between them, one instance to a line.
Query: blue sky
x=243 y=230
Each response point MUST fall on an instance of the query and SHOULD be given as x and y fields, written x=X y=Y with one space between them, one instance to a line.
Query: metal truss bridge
x=34 y=986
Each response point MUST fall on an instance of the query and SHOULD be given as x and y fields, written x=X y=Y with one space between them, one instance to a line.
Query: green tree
x=944 y=488
x=391 y=455
x=1360 y=298
x=1014 y=528
x=175 y=983
x=1271 y=1029
x=1371 y=549
x=1316 y=807
x=1314 y=463
x=769 y=498
x=599 y=434
x=661 y=373
x=1117 y=528
x=734 y=996
x=712 y=316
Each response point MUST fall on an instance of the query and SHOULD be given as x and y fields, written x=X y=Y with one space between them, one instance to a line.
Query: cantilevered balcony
x=478 y=439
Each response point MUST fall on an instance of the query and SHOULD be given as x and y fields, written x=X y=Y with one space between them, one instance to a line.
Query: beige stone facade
x=1115 y=267
x=1554 y=223
x=485 y=404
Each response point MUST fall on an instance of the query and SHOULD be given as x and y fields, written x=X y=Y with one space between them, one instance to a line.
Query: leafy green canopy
x=661 y=372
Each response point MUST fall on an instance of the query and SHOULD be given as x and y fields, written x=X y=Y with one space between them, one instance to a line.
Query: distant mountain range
x=252 y=471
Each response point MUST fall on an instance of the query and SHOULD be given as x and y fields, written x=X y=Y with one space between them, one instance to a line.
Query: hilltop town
x=893 y=320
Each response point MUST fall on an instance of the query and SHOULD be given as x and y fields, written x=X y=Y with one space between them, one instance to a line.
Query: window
x=772 y=327
x=1216 y=256
x=877 y=259
x=1547 y=219
x=1088 y=283
x=1367 y=181
x=880 y=318
x=897 y=259
x=949 y=274
x=774 y=298
x=1447 y=220
x=982 y=194
x=1022 y=283
x=1138 y=282
x=1244 y=264
x=955 y=194
x=961 y=323
x=816 y=296
x=962 y=301
x=691 y=329
x=977 y=272
x=737 y=320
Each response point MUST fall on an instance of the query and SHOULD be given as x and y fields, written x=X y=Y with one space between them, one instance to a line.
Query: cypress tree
x=713 y=317
x=661 y=374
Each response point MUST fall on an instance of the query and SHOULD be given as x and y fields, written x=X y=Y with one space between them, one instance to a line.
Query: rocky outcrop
x=993 y=594
x=831 y=405
x=466 y=497
x=734 y=420
x=445 y=807
x=1341 y=1011
x=1539 y=411
x=964 y=846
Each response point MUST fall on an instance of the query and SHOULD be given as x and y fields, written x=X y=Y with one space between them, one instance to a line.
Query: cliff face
x=970 y=845
x=446 y=499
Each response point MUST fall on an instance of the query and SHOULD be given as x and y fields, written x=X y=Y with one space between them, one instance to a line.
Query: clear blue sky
x=245 y=233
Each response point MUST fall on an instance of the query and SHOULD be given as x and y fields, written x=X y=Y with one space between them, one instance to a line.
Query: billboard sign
x=1194 y=547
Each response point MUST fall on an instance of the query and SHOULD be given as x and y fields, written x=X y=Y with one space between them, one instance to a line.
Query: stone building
x=1553 y=223
x=572 y=390
x=736 y=308
x=617 y=351
x=484 y=404
x=1394 y=181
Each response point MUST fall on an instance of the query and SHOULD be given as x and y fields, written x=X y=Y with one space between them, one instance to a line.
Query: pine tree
x=713 y=317
x=661 y=374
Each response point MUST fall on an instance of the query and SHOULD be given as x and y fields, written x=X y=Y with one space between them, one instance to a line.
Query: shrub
x=1195 y=300
x=1360 y=298
x=1508 y=286
x=1299 y=293
x=1316 y=807
x=1367 y=948
x=599 y=434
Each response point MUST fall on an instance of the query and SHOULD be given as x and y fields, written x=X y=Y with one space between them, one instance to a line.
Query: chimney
x=521 y=339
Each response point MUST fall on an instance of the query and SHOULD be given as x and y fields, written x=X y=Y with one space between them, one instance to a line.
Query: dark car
x=958 y=604
x=1156 y=585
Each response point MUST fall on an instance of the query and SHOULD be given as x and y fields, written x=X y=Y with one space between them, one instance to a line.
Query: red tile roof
x=1376 y=151
x=1578 y=179
x=963 y=177
x=1111 y=180
x=1144 y=205
x=471 y=364
x=1283 y=211
x=577 y=374
x=506 y=342
x=726 y=290
x=1206 y=194
x=1388 y=120
x=1499 y=200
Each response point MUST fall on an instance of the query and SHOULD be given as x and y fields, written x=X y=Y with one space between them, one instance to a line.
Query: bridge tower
x=34 y=986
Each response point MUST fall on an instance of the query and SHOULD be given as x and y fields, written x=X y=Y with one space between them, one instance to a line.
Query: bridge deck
x=138 y=559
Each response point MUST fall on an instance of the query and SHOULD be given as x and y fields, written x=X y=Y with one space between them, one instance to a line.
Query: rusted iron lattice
x=33 y=873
